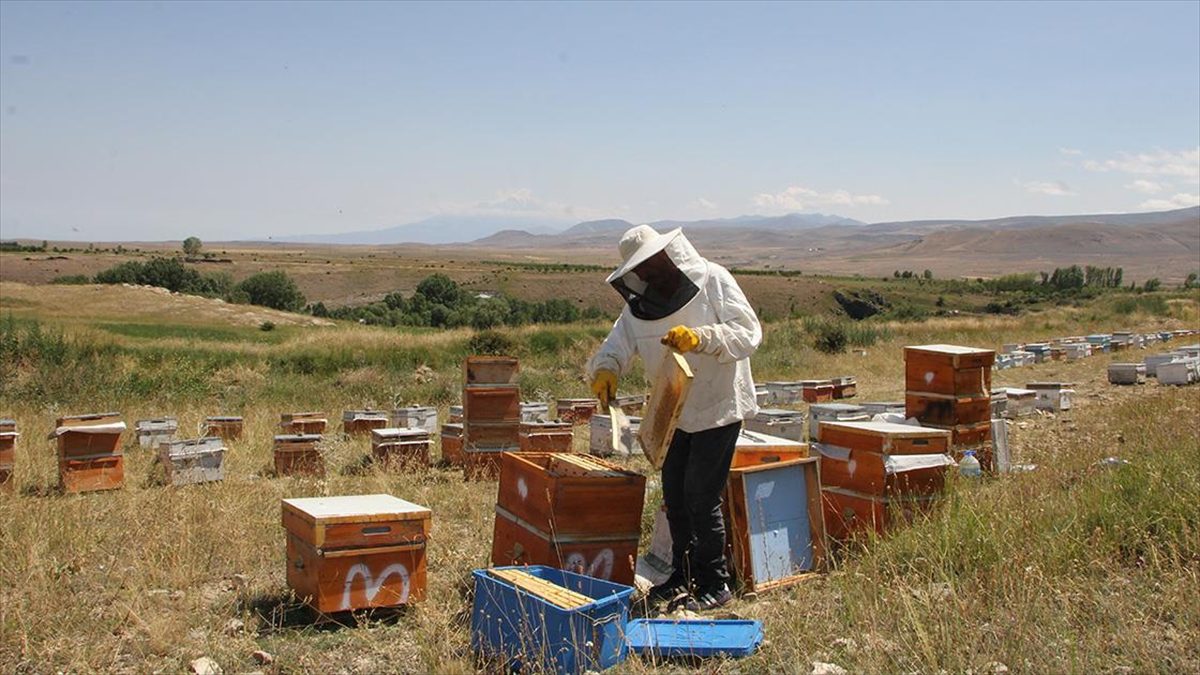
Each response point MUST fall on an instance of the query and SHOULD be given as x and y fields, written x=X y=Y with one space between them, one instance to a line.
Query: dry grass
x=1069 y=569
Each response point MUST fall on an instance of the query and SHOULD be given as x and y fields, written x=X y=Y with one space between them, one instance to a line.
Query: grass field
x=1070 y=568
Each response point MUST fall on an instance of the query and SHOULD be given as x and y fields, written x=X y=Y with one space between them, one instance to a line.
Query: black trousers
x=693 y=482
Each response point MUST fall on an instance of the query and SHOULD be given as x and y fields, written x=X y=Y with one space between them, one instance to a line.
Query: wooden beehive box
x=89 y=452
x=154 y=432
x=225 y=427
x=833 y=412
x=849 y=513
x=844 y=386
x=8 y=444
x=948 y=409
x=1020 y=402
x=356 y=552
x=199 y=460
x=302 y=423
x=455 y=414
x=485 y=403
x=948 y=369
x=400 y=448
x=600 y=439
x=452 y=444
x=570 y=511
x=576 y=410
x=299 y=455
x=416 y=417
x=1052 y=396
x=483 y=463
x=361 y=422
x=632 y=404
x=755 y=449
x=880 y=458
x=490 y=370
x=547 y=436
x=1126 y=373
x=533 y=412
x=816 y=391
x=776 y=523
x=777 y=422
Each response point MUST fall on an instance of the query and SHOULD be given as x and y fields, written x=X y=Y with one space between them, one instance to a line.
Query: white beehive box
x=189 y=461
x=416 y=417
x=828 y=412
x=601 y=441
x=154 y=432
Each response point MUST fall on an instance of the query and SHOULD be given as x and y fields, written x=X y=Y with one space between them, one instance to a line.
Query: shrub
x=828 y=336
x=490 y=342
x=266 y=326
x=71 y=280
x=273 y=289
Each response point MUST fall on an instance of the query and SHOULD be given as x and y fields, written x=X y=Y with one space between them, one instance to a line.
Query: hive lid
x=399 y=433
x=950 y=349
x=836 y=408
x=754 y=439
x=886 y=429
x=667 y=638
x=110 y=428
x=355 y=508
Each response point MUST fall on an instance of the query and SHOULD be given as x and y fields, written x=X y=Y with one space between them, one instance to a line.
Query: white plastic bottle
x=968 y=466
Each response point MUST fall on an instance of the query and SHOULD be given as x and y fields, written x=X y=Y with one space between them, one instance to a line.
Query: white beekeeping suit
x=710 y=303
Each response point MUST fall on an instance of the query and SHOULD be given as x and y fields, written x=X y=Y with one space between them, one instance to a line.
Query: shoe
x=683 y=600
x=710 y=599
x=675 y=585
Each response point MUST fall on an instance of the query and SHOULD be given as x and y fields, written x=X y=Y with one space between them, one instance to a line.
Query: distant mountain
x=609 y=226
x=791 y=221
x=441 y=229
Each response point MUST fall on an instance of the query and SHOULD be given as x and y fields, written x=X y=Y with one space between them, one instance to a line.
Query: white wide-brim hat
x=637 y=245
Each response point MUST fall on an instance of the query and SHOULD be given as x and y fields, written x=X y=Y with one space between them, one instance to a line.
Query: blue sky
x=156 y=120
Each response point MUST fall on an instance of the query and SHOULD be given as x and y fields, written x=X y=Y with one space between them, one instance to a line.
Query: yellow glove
x=682 y=339
x=604 y=386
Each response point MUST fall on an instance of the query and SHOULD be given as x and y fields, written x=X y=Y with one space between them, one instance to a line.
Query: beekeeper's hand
x=604 y=386
x=682 y=339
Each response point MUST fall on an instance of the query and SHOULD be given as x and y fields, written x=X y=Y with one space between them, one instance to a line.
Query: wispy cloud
x=1147 y=187
x=800 y=198
x=1054 y=188
x=1070 y=151
x=705 y=204
x=1178 y=201
x=1184 y=164
x=521 y=202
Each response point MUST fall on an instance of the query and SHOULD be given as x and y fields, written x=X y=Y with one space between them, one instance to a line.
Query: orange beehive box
x=885 y=437
x=356 y=552
x=754 y=448
x=947 y=409
x=880 y=458
x=568 y=510
x=298 y=455
x=492 y=403
x=400 y=448
x=361 y=422
x=225 y=427
x=844 y=386
x=576 y=410
x=483 y=463
x=302 y=423
x=490 y=370
x=849 y=513
x=948 y=369
x=89 y=452
x=816 y=391
x=491 y=435
x=452 y=444
x=775 y=522
x=547 y=437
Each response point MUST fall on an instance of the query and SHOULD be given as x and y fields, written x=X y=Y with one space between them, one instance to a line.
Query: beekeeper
x=676 y=299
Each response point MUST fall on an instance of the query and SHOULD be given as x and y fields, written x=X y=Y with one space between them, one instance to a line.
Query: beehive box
x=1077 y=350
x=849 y=513
x=1052 y=396
x=547 y=436
x=1181 y=372
x=189 y=461
x=484 y=463
x=452 y=444
x=600 y=441
x=416 y=417
x=576 y=410
x=299 y=455
x=152 y=433
x=776 y=523
x=844 y=386
x=816 y=391
x=89 y=452
x=999 y=403
x=1126 y=373
x=755 y=449
x=874 y=408
x=1020 y=401
x=569 y=511
x=833 y=412
x=492 y=403
x=783 y=393
x=225 y=427
x=302 y=423
x=777 y=422
x=361 y=422
x=356 y=552
x=533 y=412
x=880 y=458
x=490 y=370
x=400 y=448
x=632 y=404
x=455 y=414
x=948 y=369
x=8 y=444
x=1153 y=361
x=948 y=409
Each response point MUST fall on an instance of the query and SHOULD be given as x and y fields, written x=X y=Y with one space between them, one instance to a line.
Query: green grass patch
x=163 y=331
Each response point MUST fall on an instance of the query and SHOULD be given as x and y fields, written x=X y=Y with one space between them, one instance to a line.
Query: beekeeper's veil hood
x=658 y=289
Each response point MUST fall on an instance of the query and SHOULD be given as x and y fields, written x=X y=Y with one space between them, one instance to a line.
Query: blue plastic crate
x=523 y=630
x=667 y=639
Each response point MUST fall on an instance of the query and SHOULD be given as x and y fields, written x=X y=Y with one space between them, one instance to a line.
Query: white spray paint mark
x=522 y=488
x=929 y=377
x=851 y=466
x=372 y=585
x=601 y=567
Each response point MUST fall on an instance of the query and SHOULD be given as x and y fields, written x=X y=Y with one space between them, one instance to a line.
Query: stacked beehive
x=491 y=413
x=874 y=472
x=303 y=423
x=547 y=436
x=570 y=511
x=452 y=443
x=416 y=417
x=400 y=448
x=576 y=410
x=816 y=391
x=89 y=452
x=949 y=387
x=8 y=444
x=225 y=427
x=361 y=422
x=845 y=386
